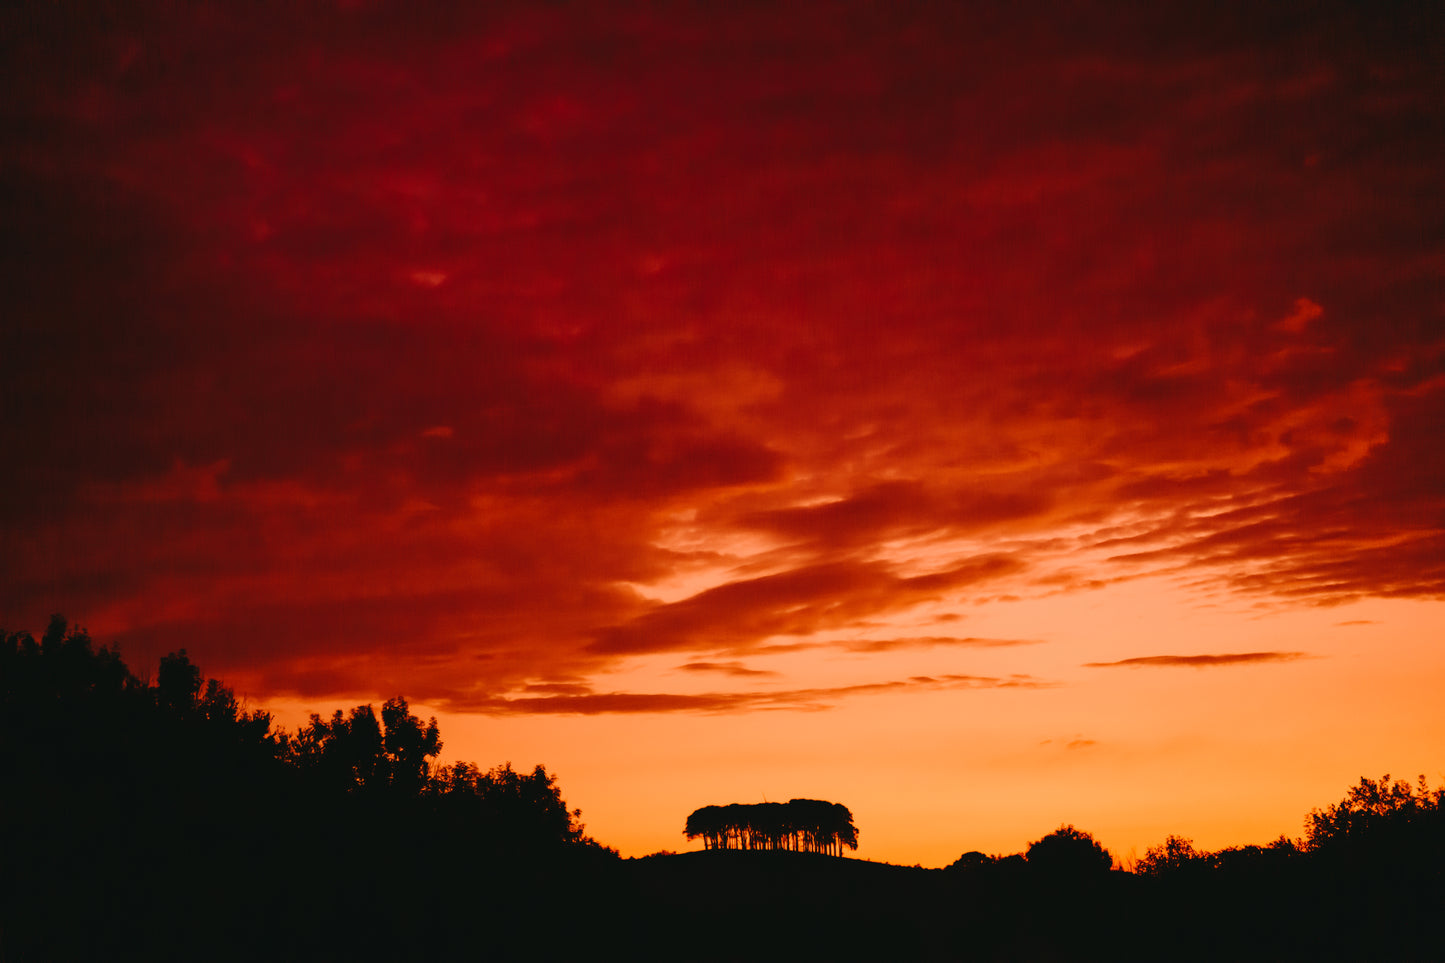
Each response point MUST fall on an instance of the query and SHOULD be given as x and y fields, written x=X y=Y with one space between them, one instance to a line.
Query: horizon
x=440 y=763
x=988 y=420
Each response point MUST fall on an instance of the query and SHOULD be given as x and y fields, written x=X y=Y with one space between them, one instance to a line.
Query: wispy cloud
x=928 y=641
x=1072 y=743
x=813 y=699
x=1200 y=661
x=739 y=615
x=725 y=668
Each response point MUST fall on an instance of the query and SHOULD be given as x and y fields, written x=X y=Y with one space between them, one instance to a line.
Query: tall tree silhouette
x=407 y=746
x=178 y=682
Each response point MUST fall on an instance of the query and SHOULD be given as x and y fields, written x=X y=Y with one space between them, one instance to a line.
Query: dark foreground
x=306 y=895
x=784 y=905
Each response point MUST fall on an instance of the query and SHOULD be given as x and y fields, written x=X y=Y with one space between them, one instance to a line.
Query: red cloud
x=740 y=615
x=353 y=351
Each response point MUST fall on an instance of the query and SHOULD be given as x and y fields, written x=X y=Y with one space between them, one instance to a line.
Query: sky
x=987 y=418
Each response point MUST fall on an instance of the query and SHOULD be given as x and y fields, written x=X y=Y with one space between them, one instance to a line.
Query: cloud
x=725 y=668
x=1076 y=742
x=928 y=641
x=1200 y=661
x=345 y=349
x=896 y=508
x=814 y=699
x=1299 y=318
x=740 y=615
x=556 y=689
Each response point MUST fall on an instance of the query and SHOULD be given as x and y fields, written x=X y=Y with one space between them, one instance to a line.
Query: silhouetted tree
x=178 y=682
x=1173 y=855
x=970 y=861
x=341 y=751
x=407 y=746
x=62 y=668
x=1068 y=852
x=844 y=832
x=707 y=823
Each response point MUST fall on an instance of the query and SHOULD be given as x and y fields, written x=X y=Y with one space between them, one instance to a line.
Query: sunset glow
x=988 y=419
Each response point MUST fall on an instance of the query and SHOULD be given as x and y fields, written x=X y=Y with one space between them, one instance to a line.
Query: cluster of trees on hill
x=799 y=825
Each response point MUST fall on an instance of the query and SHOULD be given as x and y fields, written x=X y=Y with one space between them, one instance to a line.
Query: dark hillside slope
x=729 y=904
x=733 y=904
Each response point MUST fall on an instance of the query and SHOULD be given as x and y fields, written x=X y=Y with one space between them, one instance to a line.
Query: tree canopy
x=71 y=711
x=799 y=825
x=1378 y=812
x=1069 y=851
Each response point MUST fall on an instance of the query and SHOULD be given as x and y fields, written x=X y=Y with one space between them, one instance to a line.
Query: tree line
x=798 y=825
x=61 y=689
x=1366 y=880
x=162 y=819
x=1378 y=821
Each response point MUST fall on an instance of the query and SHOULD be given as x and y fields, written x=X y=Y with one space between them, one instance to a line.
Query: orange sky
x=983 y=419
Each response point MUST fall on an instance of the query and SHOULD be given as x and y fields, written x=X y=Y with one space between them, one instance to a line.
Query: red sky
x=984 y=418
